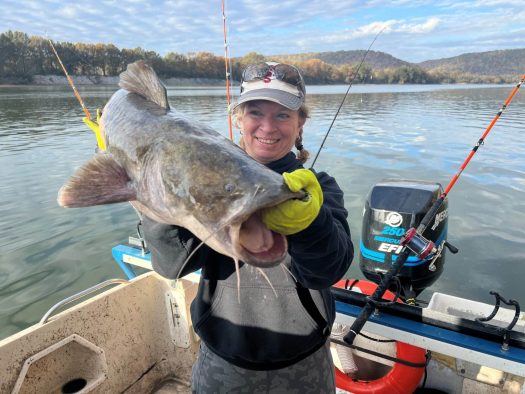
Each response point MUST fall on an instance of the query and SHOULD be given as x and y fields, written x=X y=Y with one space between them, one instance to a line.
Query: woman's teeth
x=267 y=141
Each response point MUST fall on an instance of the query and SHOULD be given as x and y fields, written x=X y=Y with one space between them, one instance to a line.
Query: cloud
x=373 y=29
x=390 y=26
x=413 y=29
x=419 y=28
x=68 y=11
x=487 y=4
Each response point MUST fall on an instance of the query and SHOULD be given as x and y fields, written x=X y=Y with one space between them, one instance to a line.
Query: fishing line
x=346 y=94
x=413 y=240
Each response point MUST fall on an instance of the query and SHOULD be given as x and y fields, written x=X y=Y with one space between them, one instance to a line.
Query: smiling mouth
x=267 y=141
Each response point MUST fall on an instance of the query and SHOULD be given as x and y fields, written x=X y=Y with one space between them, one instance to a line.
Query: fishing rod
x=346 y=94
x=77 y=95
x=227 y=66
x=413 y=240
x=100 y=140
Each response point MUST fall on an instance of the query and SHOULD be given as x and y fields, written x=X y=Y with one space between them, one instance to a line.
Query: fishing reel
x=424 y=248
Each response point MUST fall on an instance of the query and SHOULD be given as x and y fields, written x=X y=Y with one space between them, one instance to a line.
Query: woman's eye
x=283 y=116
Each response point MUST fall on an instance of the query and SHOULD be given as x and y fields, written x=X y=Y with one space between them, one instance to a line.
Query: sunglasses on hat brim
x=280 y=71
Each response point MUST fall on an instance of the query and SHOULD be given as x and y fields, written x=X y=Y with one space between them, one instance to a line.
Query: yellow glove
x=295 y=215
x=96 y=129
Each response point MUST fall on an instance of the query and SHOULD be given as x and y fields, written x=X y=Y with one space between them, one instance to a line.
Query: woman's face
x=269 y=130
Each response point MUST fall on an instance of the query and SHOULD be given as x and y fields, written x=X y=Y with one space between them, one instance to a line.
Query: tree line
x=23 y=56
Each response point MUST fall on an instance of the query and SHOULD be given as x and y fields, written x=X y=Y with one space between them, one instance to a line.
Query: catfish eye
x=229 y=187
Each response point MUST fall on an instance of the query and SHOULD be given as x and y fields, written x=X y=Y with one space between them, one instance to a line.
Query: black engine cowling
x=392 y=207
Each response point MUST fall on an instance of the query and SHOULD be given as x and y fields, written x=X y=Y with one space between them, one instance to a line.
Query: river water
x=413 y=132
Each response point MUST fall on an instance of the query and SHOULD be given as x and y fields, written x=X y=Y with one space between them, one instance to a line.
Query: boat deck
x=172 y=386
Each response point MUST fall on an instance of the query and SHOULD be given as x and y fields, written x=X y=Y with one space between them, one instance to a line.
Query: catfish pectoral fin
x=99 y=181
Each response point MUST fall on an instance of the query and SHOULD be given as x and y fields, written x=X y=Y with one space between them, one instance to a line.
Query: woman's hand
x=295 y=215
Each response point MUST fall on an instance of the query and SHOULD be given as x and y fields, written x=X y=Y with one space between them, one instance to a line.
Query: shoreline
x=97 y=80
x=83 y=80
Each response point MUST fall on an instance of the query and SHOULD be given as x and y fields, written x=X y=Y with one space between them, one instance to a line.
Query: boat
x=135 y=335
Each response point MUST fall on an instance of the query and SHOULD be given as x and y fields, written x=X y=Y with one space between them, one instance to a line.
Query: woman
x=274 y=338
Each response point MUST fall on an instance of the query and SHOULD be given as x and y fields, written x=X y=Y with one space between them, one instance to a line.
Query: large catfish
x=179 y=171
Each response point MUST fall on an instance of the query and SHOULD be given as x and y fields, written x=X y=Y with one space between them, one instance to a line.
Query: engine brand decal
x=379 y=257
x=389 y=248
x=439 y=218
x=379 y=238
x=397 y=231
x=394 y=219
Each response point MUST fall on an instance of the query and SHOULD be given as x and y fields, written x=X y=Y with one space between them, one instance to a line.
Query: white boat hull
x=138 y=338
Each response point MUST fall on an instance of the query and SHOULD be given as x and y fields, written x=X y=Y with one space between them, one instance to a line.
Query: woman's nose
x=268 y=123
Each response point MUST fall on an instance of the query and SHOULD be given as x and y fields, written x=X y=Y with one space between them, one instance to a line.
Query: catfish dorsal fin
x=141 y=79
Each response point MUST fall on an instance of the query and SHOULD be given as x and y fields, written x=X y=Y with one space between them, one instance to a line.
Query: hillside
x=23 y=59
x=481 y=67
x=493 y=63
x=375 y=60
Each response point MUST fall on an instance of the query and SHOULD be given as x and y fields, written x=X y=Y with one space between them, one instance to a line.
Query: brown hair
x=304 y=113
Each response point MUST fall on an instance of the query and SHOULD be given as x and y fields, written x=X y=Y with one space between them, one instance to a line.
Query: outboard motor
x=393 y=207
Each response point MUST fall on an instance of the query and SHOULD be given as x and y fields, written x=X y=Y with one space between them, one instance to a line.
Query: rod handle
x=369 y=307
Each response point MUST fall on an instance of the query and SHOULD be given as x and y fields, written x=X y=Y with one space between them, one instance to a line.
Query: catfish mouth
x=256 y=244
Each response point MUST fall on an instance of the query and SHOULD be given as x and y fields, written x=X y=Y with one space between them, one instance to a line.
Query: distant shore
x=96 y=80
x=79 y=80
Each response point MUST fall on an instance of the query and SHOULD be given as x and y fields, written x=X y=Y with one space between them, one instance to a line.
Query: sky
x=412 y=30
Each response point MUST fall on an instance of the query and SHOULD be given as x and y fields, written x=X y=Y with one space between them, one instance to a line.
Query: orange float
x=401 y=379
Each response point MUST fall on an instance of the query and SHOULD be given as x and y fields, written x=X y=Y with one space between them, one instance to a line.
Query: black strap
x=308 y=303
